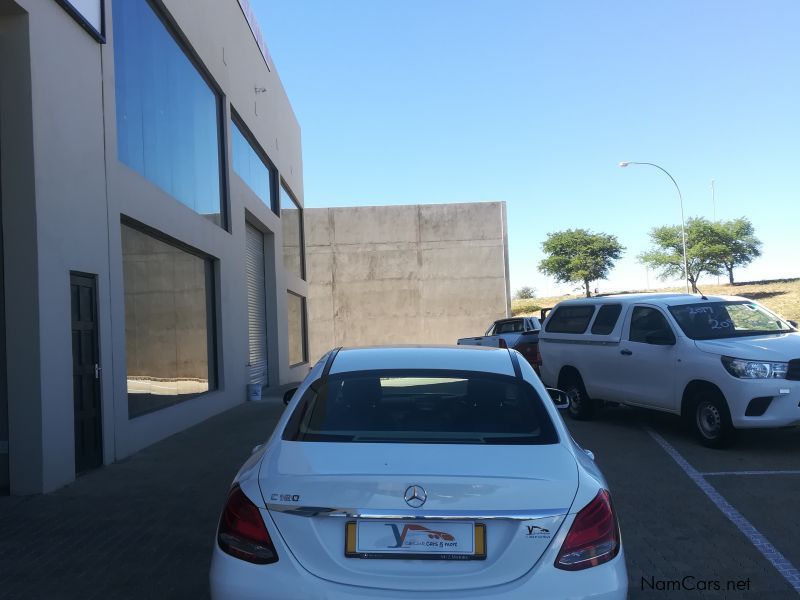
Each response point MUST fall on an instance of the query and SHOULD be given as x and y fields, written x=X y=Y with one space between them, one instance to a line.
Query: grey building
x=409 y=274
x=152 y=238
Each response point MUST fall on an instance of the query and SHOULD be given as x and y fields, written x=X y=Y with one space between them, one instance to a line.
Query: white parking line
x=762 y=544
x=715 y=473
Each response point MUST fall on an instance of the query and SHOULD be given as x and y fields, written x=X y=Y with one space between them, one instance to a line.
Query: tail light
x=537 y=357
x=242 y=532
x=593 y=538
x=502 y=343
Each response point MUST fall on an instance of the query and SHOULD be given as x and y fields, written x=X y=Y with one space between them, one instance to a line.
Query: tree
x=580 y=256
x=525 y=293
x=742 y=246
x=705 y=250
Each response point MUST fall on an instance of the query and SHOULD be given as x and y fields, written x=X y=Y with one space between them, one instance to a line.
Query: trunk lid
x=519 y=493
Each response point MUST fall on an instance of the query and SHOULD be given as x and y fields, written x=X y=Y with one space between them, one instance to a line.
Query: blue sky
x=535 y=103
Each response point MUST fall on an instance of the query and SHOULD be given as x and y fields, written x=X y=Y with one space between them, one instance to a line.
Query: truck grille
x=793 y=372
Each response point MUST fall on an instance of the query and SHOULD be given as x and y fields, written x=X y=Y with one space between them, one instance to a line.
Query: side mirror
x=559 y=397
x=287 y=395
x=660 y=338
x=792 y=323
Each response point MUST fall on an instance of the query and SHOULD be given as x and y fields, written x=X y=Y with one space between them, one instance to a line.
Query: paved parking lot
x=144 y=527
x=140 y=528
x=673 y=530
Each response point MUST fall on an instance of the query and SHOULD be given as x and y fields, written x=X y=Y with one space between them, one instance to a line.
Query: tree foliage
x=711 y=247
x=580 y=256
x=704 y=250
x=742 y=245
x=525 y=293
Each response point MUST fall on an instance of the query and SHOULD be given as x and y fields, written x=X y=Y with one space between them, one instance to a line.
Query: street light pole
x=680 y=197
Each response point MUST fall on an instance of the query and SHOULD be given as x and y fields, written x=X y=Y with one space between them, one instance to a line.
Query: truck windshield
x=422 y=406
x=716 y=320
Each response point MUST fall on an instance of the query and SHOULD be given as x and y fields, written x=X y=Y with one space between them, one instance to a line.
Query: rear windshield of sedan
x=717 y=320
x=434 y=407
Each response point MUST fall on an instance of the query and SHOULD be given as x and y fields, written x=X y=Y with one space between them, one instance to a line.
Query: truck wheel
x=711 y=419
x=581 y=407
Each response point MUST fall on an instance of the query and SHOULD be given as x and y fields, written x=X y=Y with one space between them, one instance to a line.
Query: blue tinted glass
x=167 y=115
x=249 y=166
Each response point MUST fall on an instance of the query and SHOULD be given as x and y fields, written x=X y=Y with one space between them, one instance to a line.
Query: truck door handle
x=625 y=352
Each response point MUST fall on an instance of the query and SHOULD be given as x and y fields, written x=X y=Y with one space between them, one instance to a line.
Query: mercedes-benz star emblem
x=415 y=496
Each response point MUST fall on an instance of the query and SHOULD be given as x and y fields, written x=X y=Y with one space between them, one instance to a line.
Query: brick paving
x=141 y=528
x=144 y=527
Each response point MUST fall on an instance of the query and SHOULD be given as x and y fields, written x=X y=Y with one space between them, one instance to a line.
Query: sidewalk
x=140 y=528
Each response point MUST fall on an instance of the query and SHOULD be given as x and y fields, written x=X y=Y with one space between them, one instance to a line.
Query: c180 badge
x=285 y=497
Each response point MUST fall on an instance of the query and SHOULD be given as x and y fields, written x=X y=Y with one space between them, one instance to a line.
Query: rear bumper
x=231 y=578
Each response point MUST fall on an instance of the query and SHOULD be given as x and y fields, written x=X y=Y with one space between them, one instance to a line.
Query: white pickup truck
x=519 y=333
x=721 y=362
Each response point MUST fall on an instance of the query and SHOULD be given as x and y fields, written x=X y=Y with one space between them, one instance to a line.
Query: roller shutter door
x=256 y=306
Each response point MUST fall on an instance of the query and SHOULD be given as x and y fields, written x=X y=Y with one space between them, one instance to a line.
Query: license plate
x=431 y=540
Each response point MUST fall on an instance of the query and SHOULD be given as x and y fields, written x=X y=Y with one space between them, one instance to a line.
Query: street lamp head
x=624 y=163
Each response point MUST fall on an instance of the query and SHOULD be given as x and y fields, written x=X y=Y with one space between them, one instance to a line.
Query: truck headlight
x=754 y=369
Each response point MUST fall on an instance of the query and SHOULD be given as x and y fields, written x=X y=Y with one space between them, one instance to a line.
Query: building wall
x=64 y=195
x=426 y=274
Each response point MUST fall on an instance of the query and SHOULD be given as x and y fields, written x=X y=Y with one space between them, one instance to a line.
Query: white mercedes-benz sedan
x=425 y=472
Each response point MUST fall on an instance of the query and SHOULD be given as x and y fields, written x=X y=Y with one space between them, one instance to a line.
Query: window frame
x=75 y=13
x=250 y=138
x=303 y=327
x=285 y=187
x=212 y=334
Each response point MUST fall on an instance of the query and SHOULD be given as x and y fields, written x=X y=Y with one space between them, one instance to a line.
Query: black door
x=86 y=373
x=4 y=474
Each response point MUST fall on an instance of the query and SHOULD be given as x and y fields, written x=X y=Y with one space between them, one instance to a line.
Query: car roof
x=666 y=299
x=460 y=358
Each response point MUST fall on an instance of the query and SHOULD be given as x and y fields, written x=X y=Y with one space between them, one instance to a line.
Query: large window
x=292 y=218
x=649 y=326
x=297 y=329
x=570 y=319
x=250 y=166
x=422 y=406
x=717 y=320
x=168 y=125
x=169 y=333
x=606 y=319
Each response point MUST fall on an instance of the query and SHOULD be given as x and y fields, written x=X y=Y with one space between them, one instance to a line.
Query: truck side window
x=570 y=319
x=646 y=321
x=531 y=324
x=510 y=327
x=606 y=319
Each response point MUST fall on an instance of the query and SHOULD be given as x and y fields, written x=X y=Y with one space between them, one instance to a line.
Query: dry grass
x=781 y=296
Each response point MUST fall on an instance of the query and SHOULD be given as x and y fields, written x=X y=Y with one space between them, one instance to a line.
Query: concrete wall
x=64 y=195
x=426 y=274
